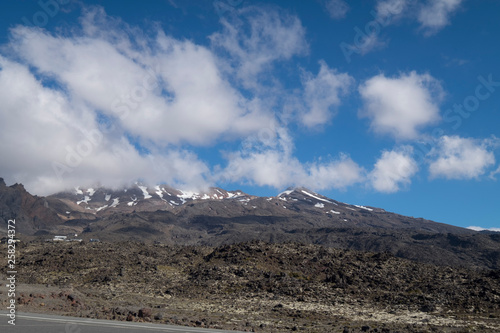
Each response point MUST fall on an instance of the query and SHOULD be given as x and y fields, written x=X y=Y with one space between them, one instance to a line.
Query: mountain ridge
x=216 y=217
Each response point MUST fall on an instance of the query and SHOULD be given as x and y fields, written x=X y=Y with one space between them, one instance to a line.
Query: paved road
x=38 y=323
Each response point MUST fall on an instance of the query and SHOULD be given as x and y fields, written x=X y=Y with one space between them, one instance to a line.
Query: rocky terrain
x=254 y=286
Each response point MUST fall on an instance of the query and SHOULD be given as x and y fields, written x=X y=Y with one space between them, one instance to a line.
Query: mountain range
x=163 y=214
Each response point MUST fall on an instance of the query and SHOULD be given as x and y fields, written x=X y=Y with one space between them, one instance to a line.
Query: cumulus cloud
x=171 y=92
x=389 y=10
x=399 y=106
x=432 y=15
x=109 y=103
x=393 y=170
x=257 y=38
x=50 y=142
x=273 y=168
x=322 y=94
x=337 y=9
x=339 y=173
x=461 y=158
x=435 y=15
x=494 y=173
x=278 y=168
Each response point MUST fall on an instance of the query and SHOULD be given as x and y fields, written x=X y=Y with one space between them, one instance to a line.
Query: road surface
x=41 y=323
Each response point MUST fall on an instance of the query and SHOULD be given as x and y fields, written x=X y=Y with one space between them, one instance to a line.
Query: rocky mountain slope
x=32 y=213
x=302 y=204
x=215 y=217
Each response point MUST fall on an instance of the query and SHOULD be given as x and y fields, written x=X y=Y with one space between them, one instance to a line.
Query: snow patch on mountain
x=107 y=197
x=315 y=197
x=78 y=191
x=365 y=208
x=159 y=192
x=231 y=195
x=287 y=192
x=319 y=205
x=85 y=200
x=188 y=195
x=91 y=191
x=144 y=190
x=133 y=202
x=101 y=208
x=115 y=203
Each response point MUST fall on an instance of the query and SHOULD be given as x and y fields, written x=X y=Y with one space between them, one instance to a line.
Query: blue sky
x=388 y=103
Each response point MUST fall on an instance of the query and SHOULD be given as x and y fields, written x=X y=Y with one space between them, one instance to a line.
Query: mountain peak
x=301 y=190
x=18 y=186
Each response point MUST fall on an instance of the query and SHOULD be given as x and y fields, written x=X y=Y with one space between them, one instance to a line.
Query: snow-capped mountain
x=297 y=205
x=103 y=201
x=216 y=216
x=139 y=198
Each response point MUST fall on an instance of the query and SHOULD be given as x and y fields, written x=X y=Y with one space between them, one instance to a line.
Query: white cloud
x=275 y=169
x=338 y=174
x=169 y=93
x=337 y=9
x=388 y=10
x=432 y=15
x=401 y=105
x=494 y=173
x=50 y=143
x=111 y=104
x=258 y=37
x=163 y=93
x=393 y=170
x=461 y=158
x=278 y=168
x=322 y=94
x=475 y=228
x=435 y=14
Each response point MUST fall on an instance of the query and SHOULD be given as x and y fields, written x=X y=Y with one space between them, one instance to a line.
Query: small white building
x=60 y=238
